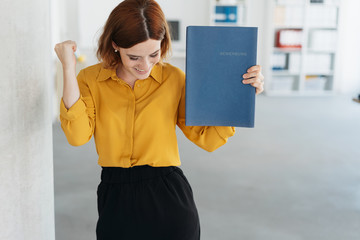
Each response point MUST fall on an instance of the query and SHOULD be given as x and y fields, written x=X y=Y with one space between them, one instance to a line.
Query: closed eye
x=155 y=54
x=135 y=58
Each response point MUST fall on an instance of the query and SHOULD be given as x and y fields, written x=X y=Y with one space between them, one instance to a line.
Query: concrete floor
x=296 y=175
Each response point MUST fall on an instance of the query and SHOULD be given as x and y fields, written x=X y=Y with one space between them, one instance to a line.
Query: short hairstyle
x=130 y=23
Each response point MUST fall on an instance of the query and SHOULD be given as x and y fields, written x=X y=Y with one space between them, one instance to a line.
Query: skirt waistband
x=133 y=174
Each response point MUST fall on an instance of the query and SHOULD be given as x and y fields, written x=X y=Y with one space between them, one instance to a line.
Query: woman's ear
x=115 y=46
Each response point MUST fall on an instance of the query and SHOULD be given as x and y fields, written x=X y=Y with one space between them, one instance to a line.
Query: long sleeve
x=78 y=122
x=208 y=138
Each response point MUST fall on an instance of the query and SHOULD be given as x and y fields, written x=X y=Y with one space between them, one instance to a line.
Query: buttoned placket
x=133 y=94
x=137 y=94
x=130 y=119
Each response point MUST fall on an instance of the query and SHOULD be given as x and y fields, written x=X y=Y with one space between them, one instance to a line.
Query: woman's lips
x=140 y=71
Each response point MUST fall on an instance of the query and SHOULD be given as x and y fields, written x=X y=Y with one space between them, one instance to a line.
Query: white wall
x=348 y=64
x=256 y=17
x=26 y=165
x=92 y=15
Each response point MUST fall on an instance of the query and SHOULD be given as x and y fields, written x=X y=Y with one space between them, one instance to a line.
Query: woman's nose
x=145 y=65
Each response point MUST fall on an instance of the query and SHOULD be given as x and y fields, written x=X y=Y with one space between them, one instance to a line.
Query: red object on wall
x=289 y=38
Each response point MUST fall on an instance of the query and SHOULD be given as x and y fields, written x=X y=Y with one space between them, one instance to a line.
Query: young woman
x=131 y=102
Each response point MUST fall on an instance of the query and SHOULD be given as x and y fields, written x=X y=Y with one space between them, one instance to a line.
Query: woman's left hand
x=255 y=78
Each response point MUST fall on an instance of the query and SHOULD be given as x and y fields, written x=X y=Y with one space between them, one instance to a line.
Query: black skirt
x=146 y=202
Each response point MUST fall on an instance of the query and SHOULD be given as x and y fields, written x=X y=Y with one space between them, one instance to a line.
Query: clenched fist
x=65 y=52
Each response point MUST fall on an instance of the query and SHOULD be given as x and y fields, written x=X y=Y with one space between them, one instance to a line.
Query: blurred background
x=307 y=47
x=295 y=176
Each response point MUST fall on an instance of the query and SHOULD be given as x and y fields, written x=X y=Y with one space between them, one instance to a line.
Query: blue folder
x=216 y=59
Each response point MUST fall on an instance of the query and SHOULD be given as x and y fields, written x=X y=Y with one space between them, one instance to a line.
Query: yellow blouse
x=135 y=126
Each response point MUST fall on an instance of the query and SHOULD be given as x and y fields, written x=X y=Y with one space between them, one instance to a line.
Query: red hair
x=130 y=23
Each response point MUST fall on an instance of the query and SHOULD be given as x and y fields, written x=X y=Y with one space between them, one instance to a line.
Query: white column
x=26 y=161
x=347 y=65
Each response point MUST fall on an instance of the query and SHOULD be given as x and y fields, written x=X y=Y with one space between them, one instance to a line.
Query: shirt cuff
x=225 y=132
x=74 y=111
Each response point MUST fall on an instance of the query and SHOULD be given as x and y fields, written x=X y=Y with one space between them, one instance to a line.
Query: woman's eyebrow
x=155 y=52
x=130 y=55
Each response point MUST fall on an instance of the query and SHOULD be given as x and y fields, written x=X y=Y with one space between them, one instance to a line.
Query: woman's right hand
x=65 y=52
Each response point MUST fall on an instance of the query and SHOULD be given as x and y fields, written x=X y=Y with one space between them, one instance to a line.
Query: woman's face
x=138 y=60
